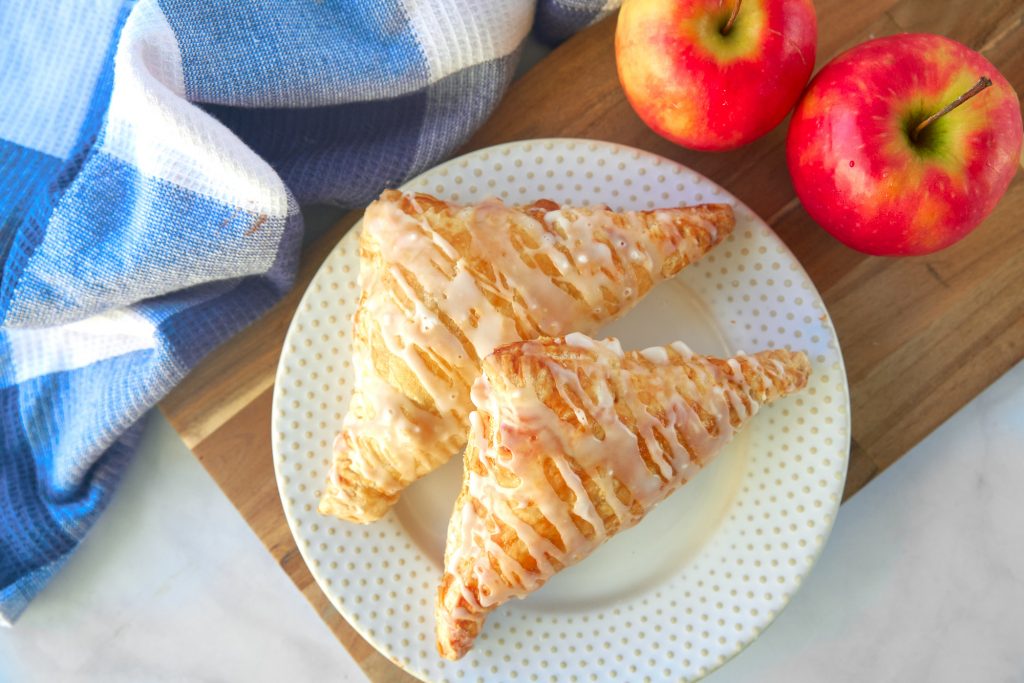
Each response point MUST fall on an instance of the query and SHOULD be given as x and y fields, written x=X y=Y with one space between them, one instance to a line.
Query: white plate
x=691 y=585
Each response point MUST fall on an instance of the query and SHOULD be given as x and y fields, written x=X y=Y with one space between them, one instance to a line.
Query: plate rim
x=407 y=185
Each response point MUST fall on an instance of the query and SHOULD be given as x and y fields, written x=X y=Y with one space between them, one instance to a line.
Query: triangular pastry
x=573 y=441
x=444 y=284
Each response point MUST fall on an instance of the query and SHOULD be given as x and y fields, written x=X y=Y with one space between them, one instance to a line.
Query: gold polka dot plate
x=705 y=572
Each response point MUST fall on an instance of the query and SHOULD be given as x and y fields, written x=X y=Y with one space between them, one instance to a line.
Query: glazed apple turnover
x=444 y=284
x=573 y=441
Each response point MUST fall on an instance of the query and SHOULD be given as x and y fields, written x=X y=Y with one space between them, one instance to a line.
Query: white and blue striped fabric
x=153 y=157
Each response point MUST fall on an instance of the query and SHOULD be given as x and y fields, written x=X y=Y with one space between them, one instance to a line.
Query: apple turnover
x=444 y=284
x=573 y=441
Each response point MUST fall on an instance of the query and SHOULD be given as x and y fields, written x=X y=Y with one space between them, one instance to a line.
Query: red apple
x=866 y=176
x=706 y=78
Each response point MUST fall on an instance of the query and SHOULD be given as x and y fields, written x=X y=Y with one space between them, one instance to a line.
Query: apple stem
x=982 y=83
x=732 y=18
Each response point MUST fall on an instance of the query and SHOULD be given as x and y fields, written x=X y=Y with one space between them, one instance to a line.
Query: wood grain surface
x=921 y=336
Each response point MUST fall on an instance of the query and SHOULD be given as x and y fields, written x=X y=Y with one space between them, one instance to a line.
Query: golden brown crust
x=443 y=284
x=574 y=441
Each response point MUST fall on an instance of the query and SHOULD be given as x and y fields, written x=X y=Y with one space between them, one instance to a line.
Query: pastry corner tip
x=452 y=640
x=354 y=504
x=723 y=218
x=456 y=624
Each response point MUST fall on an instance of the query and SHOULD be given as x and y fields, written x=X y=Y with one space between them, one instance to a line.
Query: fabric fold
x=153 y=157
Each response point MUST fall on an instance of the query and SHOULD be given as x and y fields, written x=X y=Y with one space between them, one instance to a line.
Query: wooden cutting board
x=921 y=336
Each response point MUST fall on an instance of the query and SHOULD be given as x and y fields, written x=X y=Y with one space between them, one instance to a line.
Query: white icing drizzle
x=638 y=399
x=656 y=354
x=438 y=303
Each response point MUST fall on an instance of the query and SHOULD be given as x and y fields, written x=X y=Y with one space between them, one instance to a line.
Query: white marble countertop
x=922 y=579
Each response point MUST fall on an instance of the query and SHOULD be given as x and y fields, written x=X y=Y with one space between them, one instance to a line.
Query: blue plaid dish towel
x=153 y=158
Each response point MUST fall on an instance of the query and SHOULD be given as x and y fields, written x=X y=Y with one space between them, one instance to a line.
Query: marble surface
x=171 y=585
x=923 y=576
x=922 y=579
